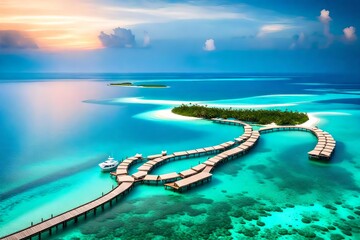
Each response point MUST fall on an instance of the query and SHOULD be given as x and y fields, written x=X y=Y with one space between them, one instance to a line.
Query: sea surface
x=56 y=128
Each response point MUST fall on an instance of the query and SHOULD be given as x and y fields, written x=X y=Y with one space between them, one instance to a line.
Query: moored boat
x=109 y=164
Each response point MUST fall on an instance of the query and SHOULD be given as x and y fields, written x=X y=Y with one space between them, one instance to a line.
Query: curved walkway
x=224 y=151
x=125 y=184
x=205 y=175
x=323 y=149
x=177 y=181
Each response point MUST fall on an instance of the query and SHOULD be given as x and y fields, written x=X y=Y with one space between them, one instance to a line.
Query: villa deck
x=187 y=183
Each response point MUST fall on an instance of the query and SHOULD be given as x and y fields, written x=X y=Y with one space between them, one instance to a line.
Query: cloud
x=325 y=16
x=10 y=39
x=325 y=19
x=121 y=38
x=272 y=28
x=298 y=41
x=209 y=45
x=147 y=40
x=349 y=33
x=162 y=11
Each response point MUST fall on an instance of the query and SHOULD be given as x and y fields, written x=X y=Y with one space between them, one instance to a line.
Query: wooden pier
x=150 y=165
x=122 y=168
x=125 y=184
x=189 y=182
x=202 y=173
x=50 y=225
x=184 y=180
x=323 y=149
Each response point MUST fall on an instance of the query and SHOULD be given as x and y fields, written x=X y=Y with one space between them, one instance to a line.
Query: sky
x=249 y=36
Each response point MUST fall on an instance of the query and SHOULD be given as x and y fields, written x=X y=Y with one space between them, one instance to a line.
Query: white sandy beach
x=169 y=115
x=312 y=122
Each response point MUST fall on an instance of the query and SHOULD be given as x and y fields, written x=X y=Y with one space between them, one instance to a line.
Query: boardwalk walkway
x=72 y=215
x=323 y=149
x=202 y=172
x=147 y=167
x=178 y=181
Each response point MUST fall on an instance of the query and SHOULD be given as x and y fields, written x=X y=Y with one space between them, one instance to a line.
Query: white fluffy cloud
x=272 y=28
x=349 y=33
x=325 y=19
x=209 y=45
x=325 y=16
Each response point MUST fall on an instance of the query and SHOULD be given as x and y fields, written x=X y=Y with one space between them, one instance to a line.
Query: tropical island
x=129 y=84
x=260 y=116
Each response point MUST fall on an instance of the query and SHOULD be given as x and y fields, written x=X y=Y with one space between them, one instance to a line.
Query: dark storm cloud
x=120 y=38
x=10 y=39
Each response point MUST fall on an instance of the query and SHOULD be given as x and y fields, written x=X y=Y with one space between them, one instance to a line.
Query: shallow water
x=53 y=134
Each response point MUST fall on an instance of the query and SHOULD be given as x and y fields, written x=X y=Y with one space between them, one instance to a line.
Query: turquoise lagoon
x=55 y=129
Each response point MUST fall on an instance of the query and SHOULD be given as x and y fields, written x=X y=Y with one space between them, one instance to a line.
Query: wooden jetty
x=151 y=179
x=233 y=153
x=187 y=173
x=125 y=184
x=229 y=121
x=169 y=177
x=122 y=168
x=153 y=163
x=229 y=150
x=202 y=173
x=158 y=160
x=184 y=180
x=50 y=225
x=323 y=149
x=189 y=182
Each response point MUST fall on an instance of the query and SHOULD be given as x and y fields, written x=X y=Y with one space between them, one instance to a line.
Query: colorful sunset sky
x=180 y=36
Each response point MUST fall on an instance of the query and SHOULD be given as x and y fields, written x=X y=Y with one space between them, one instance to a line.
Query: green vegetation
x=122 y=84
x=250 y=115
x=129 y=84
x=152 y=85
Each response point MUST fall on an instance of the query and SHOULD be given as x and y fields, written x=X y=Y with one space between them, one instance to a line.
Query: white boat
x=163 y=153
x=109 y=164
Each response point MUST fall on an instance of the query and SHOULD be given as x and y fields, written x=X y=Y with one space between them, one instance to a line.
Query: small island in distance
x=129 y=84
x=260 y=116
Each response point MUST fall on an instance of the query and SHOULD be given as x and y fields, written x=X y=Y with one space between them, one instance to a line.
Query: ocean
x=56 y=128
